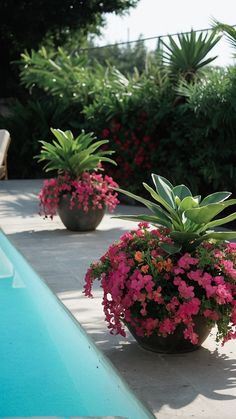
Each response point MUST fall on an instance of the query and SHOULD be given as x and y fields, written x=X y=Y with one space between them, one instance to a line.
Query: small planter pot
x=76 y=219
x=174 y=343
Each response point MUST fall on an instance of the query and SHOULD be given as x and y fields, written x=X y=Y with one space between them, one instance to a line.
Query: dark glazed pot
x=174 y=343
x=76 y=219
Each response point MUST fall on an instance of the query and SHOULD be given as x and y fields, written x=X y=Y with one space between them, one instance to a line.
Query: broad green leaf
x=190 y=226
x=60 y=135
x=164 y=190
x=188 y=203
x=181 y=191
x=220 y=235
x=158 y=198
x=215 y=198
x=221 y=221
x=106 y=159
x=229 y=203
x=95 y=146
x=164 y=180
x=182 y=237
x=204 y=214
x=177 y=225
x=156 y=209
x=171 y=249
x=147 y=218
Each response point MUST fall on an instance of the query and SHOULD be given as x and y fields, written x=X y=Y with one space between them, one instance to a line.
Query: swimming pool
x=48 y=364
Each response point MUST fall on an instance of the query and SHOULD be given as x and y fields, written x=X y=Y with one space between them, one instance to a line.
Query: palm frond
x=228 y=30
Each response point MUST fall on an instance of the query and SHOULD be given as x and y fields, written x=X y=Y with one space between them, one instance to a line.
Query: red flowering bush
x=88 y=191
x=155 y=292
x=131 y=139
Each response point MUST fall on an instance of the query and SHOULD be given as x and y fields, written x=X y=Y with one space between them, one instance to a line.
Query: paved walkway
x=201 y=384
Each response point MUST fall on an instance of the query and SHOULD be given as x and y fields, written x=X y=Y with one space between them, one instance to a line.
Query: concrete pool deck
x=201 y=384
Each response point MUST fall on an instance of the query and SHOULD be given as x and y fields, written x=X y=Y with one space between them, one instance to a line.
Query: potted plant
x=171 y=283
x=79 y=193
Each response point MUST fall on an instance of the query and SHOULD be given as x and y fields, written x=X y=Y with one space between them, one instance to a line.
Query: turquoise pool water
x=48 y=365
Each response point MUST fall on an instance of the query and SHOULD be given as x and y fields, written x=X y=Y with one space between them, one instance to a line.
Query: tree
x=25 y=23
x=126 y=58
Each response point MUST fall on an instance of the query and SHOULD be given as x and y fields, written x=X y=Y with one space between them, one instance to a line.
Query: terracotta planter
x=76 y=219
x=174 y=343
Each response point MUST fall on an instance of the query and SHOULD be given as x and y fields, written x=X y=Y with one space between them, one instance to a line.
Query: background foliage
x=29 y=24
x=183 y=128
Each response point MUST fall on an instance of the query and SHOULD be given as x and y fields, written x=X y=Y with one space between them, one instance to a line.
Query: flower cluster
x=132 y=140
x=155 y=293
x=89 y=191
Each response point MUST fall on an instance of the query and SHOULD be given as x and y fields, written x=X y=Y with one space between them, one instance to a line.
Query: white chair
x=5 y=140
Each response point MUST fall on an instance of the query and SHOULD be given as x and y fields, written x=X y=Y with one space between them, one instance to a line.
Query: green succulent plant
x=189 y=218
x=68 y=154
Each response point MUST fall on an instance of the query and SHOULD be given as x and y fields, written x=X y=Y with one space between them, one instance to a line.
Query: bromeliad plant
x=157 y=280
x=76 y=161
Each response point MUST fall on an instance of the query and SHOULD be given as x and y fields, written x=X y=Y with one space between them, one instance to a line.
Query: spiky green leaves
x=188 y=218
x=189 y=54
x=72 y=155
x=228 y=30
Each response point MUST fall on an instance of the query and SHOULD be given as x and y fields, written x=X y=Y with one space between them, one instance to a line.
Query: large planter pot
x=76 y=219
x=174 y=343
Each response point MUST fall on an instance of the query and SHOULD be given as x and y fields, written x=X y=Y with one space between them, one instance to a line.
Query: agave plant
x=187 y=57
x=72 y=155
x=189 y=218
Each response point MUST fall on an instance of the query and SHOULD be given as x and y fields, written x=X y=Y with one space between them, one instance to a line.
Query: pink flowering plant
x=89 y=191
x=77 y=162
x=156 y=279
x=155 y=292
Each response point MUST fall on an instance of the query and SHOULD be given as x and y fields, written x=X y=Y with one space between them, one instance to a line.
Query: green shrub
x=27 y=123
x=213 y=103
x=186 y=132
x=189 y=140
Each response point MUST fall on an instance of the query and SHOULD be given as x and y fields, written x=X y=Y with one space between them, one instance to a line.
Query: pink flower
x=143 y=225
x=204 y=279
x=189 y=334
x=230 y=335
x=189 y=308
x=173 y=304
x=178 y=271
x=186 y=260
x=231 y=247
x=150 y=325
x=223 y=294
x=210 y=290
x=167 y=326
x=157 y=296
x=185 y=291
x=229 y=268
x=211 y=314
